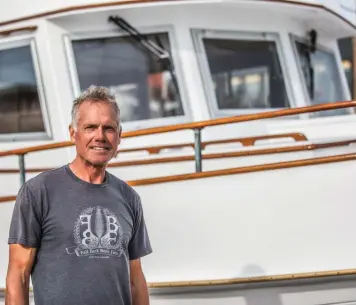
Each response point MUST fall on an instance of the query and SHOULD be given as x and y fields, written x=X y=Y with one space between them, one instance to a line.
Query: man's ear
x=120 y=130
x=120 y=133
x=71 y=133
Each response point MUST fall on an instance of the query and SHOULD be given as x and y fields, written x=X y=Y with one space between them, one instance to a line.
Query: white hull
x=341 y=292
x=286 y=221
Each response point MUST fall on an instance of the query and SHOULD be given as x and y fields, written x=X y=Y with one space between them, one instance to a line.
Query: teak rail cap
x=247 y=280
x=73 y=8
x=16 y=30
x=241 y=118
x=198 y=125
x=255 y=279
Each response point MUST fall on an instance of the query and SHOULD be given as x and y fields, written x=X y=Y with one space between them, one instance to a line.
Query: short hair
x=94 y=94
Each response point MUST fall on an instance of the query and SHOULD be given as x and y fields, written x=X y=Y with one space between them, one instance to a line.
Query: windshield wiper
x=311 y=48
x=155 y=49
x=134 y=33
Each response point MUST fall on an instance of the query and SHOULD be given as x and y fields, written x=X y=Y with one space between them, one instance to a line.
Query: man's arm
x=18 y=274
x=139 y=290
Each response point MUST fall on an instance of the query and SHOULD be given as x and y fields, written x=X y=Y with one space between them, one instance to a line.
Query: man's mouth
x=99 y=148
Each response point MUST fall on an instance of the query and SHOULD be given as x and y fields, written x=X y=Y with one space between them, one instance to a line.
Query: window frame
x=138 y=124
x=319 y=46
x=199 y=34
x=30 y=41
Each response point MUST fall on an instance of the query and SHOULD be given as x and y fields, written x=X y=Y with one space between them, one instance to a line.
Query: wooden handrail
x=37 y=148
x=244 y=169
x=209 y=156
x=251 y=279
x=15 y=30
x=255 y=279
x=247 y=141
x=234 y=171
x=241 y=118
x=197 y=125
x=223 y=155
x=7 y=198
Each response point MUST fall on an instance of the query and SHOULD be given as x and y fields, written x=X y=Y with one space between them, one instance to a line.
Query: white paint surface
x=19 y=8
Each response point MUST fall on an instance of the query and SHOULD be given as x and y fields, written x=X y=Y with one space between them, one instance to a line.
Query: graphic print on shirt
x=97 y=233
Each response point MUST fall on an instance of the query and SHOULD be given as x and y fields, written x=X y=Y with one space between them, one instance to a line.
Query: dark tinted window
x=246 y=74
x=20 y=110
x=326 y=77
x=346 y=52
x=142 y=84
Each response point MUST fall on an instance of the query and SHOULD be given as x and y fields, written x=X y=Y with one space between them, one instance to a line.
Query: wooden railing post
x=197 y=149
x=22 y=169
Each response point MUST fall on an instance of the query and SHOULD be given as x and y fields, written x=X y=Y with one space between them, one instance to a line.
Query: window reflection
x=20 y=109
x=142 y=85
x=246 y=74
x=327 y=83
x=346 y=51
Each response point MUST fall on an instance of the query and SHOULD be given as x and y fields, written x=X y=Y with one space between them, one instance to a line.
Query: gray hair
x=94 y=94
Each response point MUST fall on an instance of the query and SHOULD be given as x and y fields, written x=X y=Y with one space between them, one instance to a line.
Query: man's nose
x=100 y=135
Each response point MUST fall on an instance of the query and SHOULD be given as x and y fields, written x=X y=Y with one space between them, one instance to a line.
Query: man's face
x=98 y=133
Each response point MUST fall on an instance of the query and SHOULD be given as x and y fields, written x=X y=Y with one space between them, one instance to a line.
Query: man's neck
x=88 y=172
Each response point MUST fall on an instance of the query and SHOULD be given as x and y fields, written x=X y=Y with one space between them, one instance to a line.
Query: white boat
x=239 y=132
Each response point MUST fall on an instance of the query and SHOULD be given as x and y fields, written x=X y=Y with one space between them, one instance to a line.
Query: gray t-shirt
x=85 y=235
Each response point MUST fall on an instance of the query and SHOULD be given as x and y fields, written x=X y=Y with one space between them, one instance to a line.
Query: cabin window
x=346 y=48
x=20 y=106
x=142 y=83
x=321 y=77
x=245 y=72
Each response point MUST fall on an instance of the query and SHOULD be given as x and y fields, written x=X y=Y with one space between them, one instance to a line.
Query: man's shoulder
x=45 y=178
x=127 y=190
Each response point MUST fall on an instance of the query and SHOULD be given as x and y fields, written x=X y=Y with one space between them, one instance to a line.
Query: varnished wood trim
x=320 y=6
x=23 y=29
x=221 y=155
x=123 y=2
x=199 y=125
x=235 y=171
x=28 y=170
x=247 y=280
x=74 y=8
x=241 y=118
x=255 y=279
x=250 y=141
x=245 y=169
x=247 y=141
x=23 y=151
x=7 y=198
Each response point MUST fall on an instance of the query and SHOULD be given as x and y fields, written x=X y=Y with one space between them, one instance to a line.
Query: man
x=79 y=231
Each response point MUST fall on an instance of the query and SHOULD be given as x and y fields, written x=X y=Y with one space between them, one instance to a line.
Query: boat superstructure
x=239 y=135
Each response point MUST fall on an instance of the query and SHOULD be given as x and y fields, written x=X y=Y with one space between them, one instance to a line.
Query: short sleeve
x=139 y=244
x=25 y=226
